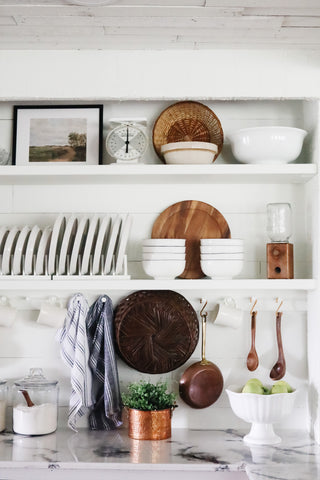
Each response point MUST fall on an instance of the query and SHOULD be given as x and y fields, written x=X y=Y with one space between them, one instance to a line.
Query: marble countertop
x=296 y=457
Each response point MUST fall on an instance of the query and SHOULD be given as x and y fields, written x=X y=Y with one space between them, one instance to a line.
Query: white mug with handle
x=228 y=315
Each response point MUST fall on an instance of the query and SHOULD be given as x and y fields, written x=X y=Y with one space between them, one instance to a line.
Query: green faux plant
x=148 y=396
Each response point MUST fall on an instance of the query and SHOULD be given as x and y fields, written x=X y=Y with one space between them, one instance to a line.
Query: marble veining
x=296 y=458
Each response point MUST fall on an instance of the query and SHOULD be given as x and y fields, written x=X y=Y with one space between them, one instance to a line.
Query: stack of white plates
x=78 y=245
x=164 y=258
x=221 y=257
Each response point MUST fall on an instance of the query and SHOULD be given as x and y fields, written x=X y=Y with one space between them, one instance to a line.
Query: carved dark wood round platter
x=156 y=330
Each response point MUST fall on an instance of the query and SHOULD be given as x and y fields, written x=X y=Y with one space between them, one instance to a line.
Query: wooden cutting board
x=192 y=220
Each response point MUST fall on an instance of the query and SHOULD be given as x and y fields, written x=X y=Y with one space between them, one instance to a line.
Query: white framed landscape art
x=64 y=134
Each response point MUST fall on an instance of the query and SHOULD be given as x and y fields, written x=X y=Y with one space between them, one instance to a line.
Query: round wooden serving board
x=191 y=220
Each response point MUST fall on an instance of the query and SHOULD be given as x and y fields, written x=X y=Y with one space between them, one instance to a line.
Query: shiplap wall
x=27 y=344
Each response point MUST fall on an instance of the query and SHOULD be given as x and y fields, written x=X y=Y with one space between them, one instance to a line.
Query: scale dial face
x=126 y=142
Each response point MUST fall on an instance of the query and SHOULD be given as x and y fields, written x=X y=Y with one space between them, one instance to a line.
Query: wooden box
x=280 y=260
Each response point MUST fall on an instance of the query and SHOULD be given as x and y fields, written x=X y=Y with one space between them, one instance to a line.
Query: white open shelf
x=147 y=173
x=96 y=284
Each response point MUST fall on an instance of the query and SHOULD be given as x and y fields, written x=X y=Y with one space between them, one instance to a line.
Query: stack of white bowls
x=164 y=258
x=221 y=257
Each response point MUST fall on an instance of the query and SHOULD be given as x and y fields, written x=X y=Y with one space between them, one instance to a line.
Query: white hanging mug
x=7 y=313
x=228 y=315
x=51 y=313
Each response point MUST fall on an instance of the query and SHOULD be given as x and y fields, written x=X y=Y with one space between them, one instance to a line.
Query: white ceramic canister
x=35 y=404
x=3 y=404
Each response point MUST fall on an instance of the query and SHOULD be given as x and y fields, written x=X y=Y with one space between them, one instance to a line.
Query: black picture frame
x=40 y=133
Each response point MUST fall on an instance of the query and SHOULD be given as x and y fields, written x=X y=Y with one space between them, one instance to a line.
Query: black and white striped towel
x=75 y=353
x=106 y=413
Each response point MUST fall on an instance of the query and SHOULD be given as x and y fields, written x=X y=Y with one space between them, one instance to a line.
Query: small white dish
x=163 y=256
x=163 y=269
x=100 y=244
x=165 y=242
x=207 y=249
x=218 y=269
x=89 y=245
x=116 y=223
x=221 y=241
x=57 y=234
x=160 y=249
x=67 y=244
x=43 y=250
x=8 y=250
x=20 y=250
x=31 y=250
x=122 y=244
x=221 y=256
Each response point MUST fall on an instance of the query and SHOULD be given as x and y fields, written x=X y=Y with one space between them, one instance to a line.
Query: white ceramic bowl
x=163 y=256
x=164 y=242
x=189 y=152
x=262 y=411
x=221 y=241
x=160 y=249
x=221 y=256
x=163 y=269
x=221 y=268
x=267 y=144
x=205 y=250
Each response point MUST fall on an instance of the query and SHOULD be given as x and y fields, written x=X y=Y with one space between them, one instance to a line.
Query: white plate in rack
x=100 y=243
x=43 y=250
x=89 y=245
x=8 y=250
x=67 y=244
x=20 y=250
x=54 y=250
x=32 y=248
x=122 y=244
x=78 y=244
x=4 y=231
x=116 y=223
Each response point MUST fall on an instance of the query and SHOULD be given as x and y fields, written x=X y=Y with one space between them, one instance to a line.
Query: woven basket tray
x=156 y=331
x=184 y=122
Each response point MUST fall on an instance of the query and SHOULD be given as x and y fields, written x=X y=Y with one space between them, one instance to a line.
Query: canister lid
x=35 y=379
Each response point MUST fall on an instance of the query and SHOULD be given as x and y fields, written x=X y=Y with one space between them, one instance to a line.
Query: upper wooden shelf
x=147 y=173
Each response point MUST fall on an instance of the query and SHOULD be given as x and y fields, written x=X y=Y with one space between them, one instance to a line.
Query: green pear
x=252 y=387
x=254 y=380
x=266 y=390
x=281 y=387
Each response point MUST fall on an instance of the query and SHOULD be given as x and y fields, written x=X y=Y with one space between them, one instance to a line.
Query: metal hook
x=203 y=314
x=255 y=301
x=281 y=303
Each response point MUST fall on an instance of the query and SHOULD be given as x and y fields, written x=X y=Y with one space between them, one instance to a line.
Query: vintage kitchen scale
x=127 y=140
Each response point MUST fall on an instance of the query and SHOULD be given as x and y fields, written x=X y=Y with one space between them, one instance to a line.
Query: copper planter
x=151 y=425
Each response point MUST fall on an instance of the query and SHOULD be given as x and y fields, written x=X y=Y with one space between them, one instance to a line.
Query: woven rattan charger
x=187 y=121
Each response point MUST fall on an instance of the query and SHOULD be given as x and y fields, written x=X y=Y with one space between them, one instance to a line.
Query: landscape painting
x=57 y=135
x=58 y=140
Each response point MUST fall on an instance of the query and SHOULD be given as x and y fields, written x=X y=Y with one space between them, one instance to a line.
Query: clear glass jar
x=3 y=404
x=35 y=404
x=279 y=222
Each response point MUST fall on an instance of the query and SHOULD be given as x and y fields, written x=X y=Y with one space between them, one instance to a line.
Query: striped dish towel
x=106 y=413
x=75 y=353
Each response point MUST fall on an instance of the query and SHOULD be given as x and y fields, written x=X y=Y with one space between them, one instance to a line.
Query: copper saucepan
x=202 y=383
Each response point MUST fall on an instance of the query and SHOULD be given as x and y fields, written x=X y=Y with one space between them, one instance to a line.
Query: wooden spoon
x=279 y=369
x=253 y=359
x=27 y=398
